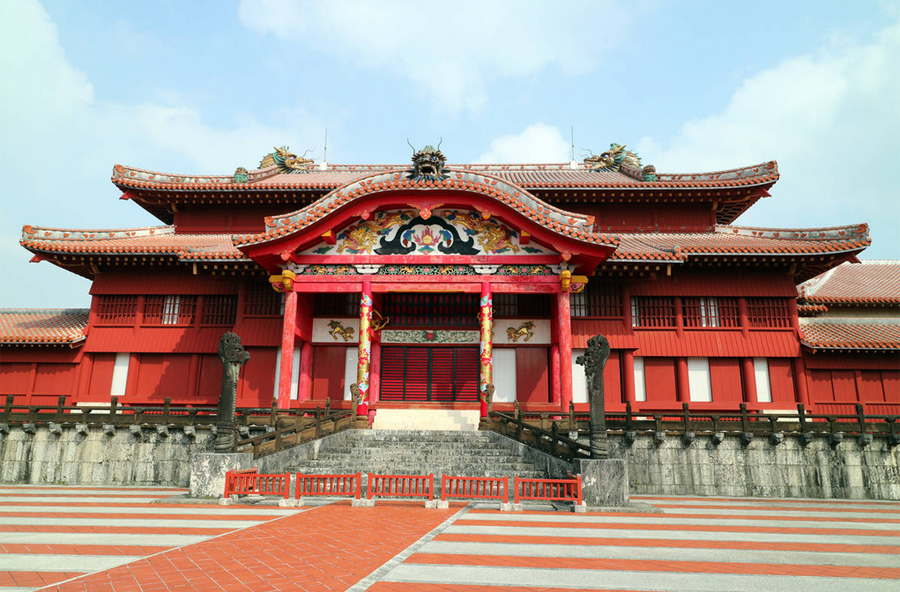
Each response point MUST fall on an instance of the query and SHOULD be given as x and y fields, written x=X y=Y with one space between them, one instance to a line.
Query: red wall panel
x=725 y=378
x=209 y=383
x=844 y=384
x=159 y=376
x=101 y=377
x=14 y=378
x=659 y=379
x=328 y=372
x=54 y=379
x=781 y=380
x=532 y=375
x=820 y=386
x=613 y=399
x=891 y=382
x=870 y=386
x=257 y=381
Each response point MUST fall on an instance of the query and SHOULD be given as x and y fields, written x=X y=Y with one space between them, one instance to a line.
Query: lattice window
x=263 y=301
x=652 y=311
x=116 y=310
x=599 y=299
x=769 y=312
x=429 y=373
x=170 y=310
x=431 y=310
x=521 y=305
x=219 y=310
x=336 y=305
x=711 y=312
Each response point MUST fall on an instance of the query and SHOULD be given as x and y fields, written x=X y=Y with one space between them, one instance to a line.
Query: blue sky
x=204 y=87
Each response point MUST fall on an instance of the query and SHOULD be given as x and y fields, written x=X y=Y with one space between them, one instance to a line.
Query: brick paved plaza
x=117 y=540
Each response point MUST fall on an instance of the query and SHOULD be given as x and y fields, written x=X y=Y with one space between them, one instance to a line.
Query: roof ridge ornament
x=616 y=159
x=428 y=163
x=287 y=162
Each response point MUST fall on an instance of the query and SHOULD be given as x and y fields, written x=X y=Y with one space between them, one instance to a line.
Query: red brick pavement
x=325 y=549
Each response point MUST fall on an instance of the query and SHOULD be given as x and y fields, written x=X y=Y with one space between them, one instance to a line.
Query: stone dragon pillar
x=233 y=356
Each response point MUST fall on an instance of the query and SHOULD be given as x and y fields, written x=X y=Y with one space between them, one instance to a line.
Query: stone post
x=233 y=356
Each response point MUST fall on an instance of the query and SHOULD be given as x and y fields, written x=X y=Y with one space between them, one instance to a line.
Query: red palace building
x=424 y=283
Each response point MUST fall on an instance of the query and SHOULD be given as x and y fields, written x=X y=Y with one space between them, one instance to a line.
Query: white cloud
x=538 y=143
x=451 y=51
x=60 y=142
x=830 y=119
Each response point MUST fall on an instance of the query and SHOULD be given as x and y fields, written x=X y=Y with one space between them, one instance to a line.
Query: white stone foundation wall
x=788 y=469
x=93 y=456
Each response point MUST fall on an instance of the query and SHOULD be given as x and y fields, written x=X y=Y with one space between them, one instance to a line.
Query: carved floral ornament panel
x=441 y=232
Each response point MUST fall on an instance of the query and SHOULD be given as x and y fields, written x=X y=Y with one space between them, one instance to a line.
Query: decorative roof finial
x=428 y=163
x=286 y=161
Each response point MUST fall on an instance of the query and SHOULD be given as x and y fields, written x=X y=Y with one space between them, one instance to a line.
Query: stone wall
x=787 y=469
x=120 y=456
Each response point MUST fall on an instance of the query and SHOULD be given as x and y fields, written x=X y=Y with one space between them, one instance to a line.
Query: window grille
x=263 y=301
x=768 y=312
x=521 y=305
x=711 y=312
x=431 y=310
x=170 y=310
x=429 y=373
x=219 y=310
x=652 y=311
x=599 y=299
x=116 y=310
x=336 y=305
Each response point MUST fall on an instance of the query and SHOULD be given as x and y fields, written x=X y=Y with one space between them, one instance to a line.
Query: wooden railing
x=543 y=430
x=297 y=430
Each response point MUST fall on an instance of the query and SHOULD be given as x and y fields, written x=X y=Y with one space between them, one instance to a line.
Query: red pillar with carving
x=288 y=332
x=365 y=349
x=564 y=325
x=486 y=349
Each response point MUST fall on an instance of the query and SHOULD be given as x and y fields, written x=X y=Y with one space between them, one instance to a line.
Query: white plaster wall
x=427 y=419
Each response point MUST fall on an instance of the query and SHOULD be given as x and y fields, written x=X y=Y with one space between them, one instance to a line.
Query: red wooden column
x=749 y=375
x=800 y=385
x=564 y=327
x=365 y=349
x=628 y=375
x=288 y=331
x=486 y=347
x=555 y=388
x=682 y=383
x=305 y=378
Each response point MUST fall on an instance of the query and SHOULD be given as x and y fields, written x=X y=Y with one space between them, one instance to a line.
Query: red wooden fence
x=548 y=489
x=249 y=482
x=475 y=488
x=400 y=486
x=333 y=485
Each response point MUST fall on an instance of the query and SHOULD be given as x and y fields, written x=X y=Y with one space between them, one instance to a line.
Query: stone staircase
x=406 y=452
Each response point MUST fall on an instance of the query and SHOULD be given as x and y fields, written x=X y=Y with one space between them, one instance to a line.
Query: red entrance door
x=429 y=373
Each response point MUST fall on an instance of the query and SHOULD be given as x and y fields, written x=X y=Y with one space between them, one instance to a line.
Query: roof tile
x=37 y=326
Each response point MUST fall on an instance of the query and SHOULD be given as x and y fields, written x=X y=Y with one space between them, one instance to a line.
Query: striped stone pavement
x=697 y=545
x=50 y=534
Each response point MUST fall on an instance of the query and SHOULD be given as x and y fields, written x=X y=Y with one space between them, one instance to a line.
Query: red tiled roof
x=868 y=282
x=577 y=226
x=811 y=310
x=36 y=326
x=737 y=240
x=556 y=175
x=639 y=247
x=851 y=333
x=160 y=240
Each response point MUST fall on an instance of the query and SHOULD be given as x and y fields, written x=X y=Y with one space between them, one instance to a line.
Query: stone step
x=468 y=469
x=413 y=454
